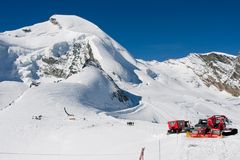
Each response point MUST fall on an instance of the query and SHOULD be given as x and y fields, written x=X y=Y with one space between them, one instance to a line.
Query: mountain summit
x=61 y=47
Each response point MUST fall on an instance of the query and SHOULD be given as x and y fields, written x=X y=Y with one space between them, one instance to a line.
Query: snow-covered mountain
x=217 y=69
x=61 y=47
x=64 y=46
x=68 y=63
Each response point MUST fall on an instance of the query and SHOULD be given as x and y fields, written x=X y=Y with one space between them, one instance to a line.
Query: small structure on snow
x=130 y=123
x=39 y=117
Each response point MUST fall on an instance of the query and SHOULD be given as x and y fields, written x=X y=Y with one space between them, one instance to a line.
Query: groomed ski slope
x=97 y=134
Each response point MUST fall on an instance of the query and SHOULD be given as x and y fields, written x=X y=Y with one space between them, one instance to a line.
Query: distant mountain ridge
x=216 y=69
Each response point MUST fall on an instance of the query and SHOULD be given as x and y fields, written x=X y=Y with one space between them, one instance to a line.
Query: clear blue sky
x=149 y=29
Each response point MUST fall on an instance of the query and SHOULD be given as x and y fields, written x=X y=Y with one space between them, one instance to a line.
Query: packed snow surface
x=100 y=98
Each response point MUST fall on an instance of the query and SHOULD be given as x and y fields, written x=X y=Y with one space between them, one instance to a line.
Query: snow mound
x=91 y=90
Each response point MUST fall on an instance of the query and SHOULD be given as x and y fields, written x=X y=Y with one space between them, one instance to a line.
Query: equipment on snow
x=130 y=123
x=212 y=127
x=178 y=126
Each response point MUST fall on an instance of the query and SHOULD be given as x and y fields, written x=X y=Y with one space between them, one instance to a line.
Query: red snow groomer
x=213 y=127
x=178 y=126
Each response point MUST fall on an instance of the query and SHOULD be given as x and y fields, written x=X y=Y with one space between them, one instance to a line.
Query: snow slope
x=93 y=134
x=80 y=68
x=9 y=91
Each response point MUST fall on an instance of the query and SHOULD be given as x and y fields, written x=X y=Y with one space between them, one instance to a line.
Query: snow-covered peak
x=59 y=48
x=219 y=53
x=70 y=25
x=77 y=24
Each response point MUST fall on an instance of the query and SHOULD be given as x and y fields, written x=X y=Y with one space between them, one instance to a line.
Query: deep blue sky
x=149 y=29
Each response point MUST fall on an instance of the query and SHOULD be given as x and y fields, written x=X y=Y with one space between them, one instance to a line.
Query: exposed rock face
x=79 y=55
x=219 y=70
x=74 y=61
